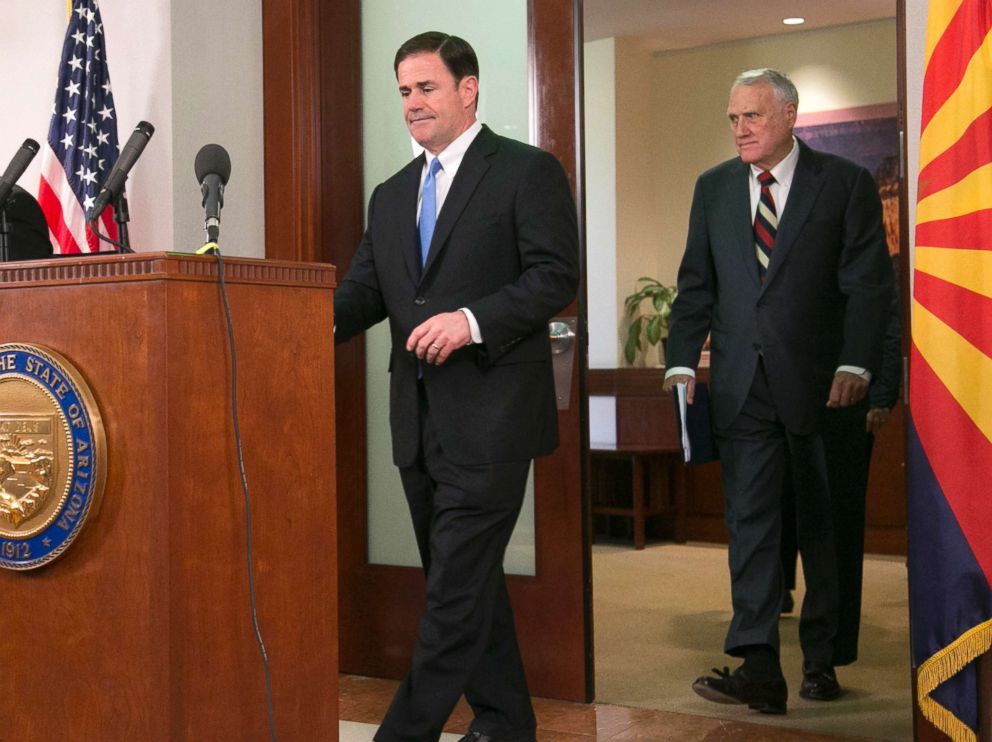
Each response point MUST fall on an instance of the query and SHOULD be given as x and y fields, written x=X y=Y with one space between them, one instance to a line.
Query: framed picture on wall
x=868 y=135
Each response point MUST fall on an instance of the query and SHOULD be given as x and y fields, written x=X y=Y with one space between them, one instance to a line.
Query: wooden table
x=650 y=496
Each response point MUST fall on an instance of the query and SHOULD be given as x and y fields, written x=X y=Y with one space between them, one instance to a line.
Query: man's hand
x=877 y=417
x=847 y=389
x=440 y=336
x=689 y=381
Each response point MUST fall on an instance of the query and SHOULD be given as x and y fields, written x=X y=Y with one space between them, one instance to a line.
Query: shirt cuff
x=680 y=371
x=857 y=371
x=473 y=325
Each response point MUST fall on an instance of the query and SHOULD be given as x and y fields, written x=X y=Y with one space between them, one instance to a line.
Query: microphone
x=212 y=168
x=114 y=185
x=16 y=168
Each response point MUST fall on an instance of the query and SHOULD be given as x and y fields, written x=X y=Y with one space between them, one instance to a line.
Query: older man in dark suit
x=470 y=249
x=786 y=269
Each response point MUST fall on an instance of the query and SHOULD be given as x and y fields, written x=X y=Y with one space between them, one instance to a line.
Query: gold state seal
x=52 y=455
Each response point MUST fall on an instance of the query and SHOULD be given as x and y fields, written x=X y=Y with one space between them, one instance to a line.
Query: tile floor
x=364 y=700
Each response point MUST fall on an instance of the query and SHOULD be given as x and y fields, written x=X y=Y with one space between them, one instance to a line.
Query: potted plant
x=651 y=323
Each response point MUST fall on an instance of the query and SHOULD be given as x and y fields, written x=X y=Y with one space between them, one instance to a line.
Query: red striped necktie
x=765 y=224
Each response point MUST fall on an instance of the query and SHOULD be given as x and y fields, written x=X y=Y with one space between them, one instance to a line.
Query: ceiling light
x=793 y=21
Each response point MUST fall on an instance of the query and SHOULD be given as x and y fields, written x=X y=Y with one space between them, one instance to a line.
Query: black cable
x=120 y=245
x=212 y=246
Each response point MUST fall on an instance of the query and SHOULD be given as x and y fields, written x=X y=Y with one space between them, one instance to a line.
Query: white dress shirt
x=783 y=174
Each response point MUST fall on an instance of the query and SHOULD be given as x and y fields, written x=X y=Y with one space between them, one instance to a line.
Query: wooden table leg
x=637 y=465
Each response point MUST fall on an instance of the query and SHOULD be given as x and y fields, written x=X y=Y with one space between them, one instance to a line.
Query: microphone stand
x=4 y=235
x=122 y=217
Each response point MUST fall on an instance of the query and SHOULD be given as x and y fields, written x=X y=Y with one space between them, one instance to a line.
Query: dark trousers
x=463 y=517
x=848 y=451
x=756 y=453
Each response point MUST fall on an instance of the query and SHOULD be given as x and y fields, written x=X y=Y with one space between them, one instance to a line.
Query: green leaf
x=654 y=330
x=631 y=303
x=633 y=343
x=659 y=313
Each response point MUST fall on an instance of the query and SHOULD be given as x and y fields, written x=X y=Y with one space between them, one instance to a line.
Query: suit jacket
x=505 y=247
x=824 y=301
x=884 y=389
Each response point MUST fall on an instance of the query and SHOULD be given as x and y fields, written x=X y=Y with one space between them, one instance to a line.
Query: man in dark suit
x=786 y=269
x=848 y=439
x=472 y=399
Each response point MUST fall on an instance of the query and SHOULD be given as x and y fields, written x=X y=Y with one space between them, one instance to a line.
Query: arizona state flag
x=950 y=437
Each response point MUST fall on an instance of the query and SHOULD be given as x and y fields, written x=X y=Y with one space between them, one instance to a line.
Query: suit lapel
x=410 y=239
x=474 y=165
x=806 y=184
x=738 y=199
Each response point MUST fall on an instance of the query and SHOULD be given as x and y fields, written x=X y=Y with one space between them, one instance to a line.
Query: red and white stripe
x=66 y=220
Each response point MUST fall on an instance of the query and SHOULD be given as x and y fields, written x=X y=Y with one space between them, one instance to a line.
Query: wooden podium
x=142 y=629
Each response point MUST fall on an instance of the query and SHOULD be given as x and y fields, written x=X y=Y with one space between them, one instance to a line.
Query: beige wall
x=671 y=124
x=599 y=124
x=639 y=220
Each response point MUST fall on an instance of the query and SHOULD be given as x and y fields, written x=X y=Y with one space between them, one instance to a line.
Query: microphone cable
x=213 y=247
x=121 y=247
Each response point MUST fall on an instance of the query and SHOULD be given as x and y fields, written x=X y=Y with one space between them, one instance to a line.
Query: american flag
x=82 y=138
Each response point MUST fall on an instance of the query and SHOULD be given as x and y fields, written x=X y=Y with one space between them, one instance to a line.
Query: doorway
x=654 y=121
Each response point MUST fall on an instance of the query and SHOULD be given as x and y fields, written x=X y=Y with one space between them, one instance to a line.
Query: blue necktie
x=428 y=210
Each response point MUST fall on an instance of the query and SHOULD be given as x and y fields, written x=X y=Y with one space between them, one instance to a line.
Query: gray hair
x=784 y=89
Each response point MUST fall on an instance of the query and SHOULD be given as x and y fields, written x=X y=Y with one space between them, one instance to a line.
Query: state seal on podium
x=53 y=455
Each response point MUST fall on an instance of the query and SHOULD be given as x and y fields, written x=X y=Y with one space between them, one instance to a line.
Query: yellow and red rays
x=952 y=293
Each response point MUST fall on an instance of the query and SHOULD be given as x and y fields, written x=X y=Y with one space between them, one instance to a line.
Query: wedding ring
x=436 y=347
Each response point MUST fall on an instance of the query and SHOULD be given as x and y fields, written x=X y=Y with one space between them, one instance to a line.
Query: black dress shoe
x=765 y=695
x=510 y=737
x=820 y=685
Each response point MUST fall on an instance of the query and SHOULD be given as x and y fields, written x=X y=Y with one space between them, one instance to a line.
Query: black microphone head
x=22 y=158
x=145 y=128
x=212 y=159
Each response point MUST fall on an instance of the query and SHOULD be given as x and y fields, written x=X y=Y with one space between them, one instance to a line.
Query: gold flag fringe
x=941 y=667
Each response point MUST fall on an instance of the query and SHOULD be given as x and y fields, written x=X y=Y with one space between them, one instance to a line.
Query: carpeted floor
x=660 y=619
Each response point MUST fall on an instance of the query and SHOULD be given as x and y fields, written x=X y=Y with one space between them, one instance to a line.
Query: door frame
x=314 y=212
